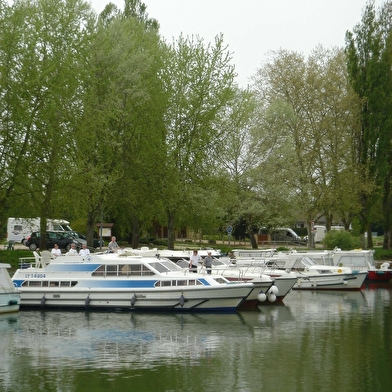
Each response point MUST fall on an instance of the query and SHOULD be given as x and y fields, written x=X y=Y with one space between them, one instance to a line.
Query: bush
x=341 y=239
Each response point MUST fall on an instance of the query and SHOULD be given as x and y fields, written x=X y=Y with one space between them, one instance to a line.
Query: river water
x=316 y=341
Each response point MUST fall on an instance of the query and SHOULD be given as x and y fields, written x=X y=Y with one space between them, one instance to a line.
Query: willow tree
x=369 y=63
x=198 y=78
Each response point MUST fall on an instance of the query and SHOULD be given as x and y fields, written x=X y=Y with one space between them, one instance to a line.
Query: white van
x=18 y=229
x=285 y=234
x=319 y=233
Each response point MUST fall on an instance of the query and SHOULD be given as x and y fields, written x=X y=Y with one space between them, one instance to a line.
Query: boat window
x=307 y=261
x=54 y=284
x=45 y=283
x=220 y=280
x=159 y=267
x=111 y=270
x=146 y=271
x=165 y=283
x=100 y=271
x=31 y=283
x=124 y=269
x=64 y=284
x=182 y=283
x=170 y=265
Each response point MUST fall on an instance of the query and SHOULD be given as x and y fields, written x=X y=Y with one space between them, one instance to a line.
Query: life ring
x=339 y=271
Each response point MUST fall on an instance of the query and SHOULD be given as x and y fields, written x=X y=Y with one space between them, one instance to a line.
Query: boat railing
x=27 y=262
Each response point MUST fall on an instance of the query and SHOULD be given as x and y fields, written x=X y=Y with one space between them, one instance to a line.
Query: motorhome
x=18 y=229
x=319 y=233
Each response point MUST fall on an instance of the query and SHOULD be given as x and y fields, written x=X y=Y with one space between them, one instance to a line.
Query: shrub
x=341 y=239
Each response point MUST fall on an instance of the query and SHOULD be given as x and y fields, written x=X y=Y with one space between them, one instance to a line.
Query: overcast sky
x=252 y=28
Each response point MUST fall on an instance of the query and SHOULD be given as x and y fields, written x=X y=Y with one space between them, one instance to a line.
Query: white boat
x=310 y=275
x=173 y=255
x=279 y=288
x=265 y=289
x=9 y=295
x=356 y=259
x=123 y=281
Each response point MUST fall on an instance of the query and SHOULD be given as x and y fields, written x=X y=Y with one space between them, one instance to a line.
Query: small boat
x=173 y=255
x=310 y=275
x=279 y=287
x=357 y=260
x=382 y=274
x=265 y=288
x=124 y=281
x=9 y=295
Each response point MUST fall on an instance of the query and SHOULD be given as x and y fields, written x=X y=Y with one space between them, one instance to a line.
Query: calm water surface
x=317 y=341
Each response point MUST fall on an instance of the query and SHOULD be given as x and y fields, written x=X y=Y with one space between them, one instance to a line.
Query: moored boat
x=382 y=274
x=124 y=281
x=9 y=295
x=310 y=275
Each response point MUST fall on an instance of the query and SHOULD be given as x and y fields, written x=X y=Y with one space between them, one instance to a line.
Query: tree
x=199 y=80
x=369 y=63
x=121 y=136
x=44 y=67
x=307 y=105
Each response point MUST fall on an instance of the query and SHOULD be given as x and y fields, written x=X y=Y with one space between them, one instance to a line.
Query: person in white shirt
x=84 y=251
x=194 y=260
x=55 y=251
x=72 y=251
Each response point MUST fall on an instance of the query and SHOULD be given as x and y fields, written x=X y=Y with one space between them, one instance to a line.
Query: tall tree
x=48 y=58
x=307 y=104
x=199 y=80
x=369 y=62
x=121 y=137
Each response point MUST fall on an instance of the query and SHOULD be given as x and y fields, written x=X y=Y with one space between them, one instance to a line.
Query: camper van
x=18 y=229
x=319 y=233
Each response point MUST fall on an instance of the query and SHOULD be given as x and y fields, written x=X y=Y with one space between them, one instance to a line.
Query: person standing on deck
x=208 y=262
x=194 y=260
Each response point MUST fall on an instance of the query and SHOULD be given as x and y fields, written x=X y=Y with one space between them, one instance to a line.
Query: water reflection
x=316 y=341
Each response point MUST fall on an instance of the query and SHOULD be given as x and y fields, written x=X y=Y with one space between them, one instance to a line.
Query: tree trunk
x=252 y=238
x=170 y=230
x=135 y=232
x=369 y=238
x=387 y=208
x=91 y=220
x=42 y=230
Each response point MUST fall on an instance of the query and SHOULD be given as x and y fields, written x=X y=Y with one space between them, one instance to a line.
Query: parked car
x=285 y=234
x=62 y=239
x=83 y=239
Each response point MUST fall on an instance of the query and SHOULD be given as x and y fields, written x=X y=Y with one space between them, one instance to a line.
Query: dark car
x=63 y=240
x=83 y=239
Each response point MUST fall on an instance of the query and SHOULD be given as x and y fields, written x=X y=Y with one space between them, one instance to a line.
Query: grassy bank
x=12 y=256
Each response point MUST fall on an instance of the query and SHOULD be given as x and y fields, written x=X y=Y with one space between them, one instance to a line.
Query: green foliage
x=341 y=239
x=382 y=254
x=12 y=256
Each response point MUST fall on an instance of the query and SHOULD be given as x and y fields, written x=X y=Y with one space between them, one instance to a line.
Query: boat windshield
x=307 y=261
x=165 y=266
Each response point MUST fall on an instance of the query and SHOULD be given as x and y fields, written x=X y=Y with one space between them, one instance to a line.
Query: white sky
x=252 y=28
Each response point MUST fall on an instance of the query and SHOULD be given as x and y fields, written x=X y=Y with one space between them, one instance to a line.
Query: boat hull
x=9 y=295
x=9 y=302
x=380 y=275
x=215 y=299
x=333 y=282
